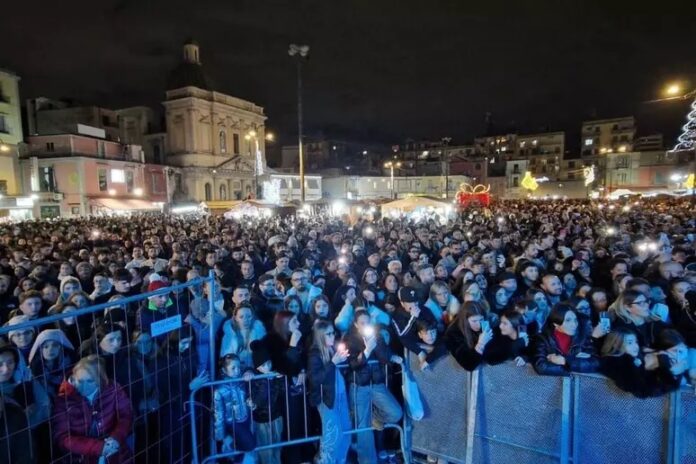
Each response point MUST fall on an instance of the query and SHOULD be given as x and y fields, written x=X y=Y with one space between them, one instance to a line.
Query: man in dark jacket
x=404 y=319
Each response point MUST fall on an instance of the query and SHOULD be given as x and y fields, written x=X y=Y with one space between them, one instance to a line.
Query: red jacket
x=110 y=415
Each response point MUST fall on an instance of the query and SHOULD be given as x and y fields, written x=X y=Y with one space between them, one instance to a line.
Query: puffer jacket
x=81 y=428
x=229 y=406
x=545 y=344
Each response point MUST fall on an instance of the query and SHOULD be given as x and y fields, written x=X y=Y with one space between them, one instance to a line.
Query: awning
x=125 y=204
x=220 y=204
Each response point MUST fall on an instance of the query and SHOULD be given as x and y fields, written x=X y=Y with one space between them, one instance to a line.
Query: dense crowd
x=329 y=303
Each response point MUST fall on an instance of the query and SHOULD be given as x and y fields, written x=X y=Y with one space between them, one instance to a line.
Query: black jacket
x=268 y=396
x=502 y=348
x=456 y=344
x=646 y=333
x=287 y=360
x=362 y=372
x=684 y=320
x=322 y=379
x=638 y=381
x=404 y=327
x=546 y=344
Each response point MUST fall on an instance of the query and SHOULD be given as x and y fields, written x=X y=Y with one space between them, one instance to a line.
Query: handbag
x=412 y=397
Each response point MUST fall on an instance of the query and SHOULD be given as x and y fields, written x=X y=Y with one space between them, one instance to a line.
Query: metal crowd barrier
x=160 y=426
x=215 y=454
x=504 y=413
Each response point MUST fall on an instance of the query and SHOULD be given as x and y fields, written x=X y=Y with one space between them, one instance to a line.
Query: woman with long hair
x=642 y=374
x=562 y=348
x=468 y=335
x=327 y=392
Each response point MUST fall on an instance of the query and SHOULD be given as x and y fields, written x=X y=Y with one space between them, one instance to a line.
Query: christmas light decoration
x=529 y=182
x=687 y=140
x=589 y=175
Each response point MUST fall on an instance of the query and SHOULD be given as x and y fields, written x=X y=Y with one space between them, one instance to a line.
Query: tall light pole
x=299 y=52
x=391 y=165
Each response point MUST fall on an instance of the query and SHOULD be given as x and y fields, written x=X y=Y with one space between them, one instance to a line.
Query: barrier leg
x=471 y=419
x=565 y=422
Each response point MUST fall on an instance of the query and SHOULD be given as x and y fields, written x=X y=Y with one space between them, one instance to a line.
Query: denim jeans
x=266 y=434
x=372 y=404
x=334 y=444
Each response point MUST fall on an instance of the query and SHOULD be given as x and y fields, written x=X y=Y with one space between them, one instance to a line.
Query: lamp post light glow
x=391 y=165
x=673 y=90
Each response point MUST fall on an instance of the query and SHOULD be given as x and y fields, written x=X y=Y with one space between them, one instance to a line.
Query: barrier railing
x=504 y=413
x=309 y=422
x=154 y=367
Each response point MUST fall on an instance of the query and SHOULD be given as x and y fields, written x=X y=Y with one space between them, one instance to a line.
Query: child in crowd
x=232 y=409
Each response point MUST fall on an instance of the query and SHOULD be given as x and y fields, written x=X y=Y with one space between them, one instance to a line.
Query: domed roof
x=188 y=74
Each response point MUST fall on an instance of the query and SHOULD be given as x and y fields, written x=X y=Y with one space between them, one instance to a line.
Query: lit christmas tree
x=687 y=140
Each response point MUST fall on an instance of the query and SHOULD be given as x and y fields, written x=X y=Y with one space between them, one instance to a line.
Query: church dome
x=190 y=71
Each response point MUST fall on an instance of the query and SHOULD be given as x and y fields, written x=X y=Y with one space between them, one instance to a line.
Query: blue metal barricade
x=153 y=367
x=201 y=411
x=444 y=390
x=685 y=426
x=519 y=416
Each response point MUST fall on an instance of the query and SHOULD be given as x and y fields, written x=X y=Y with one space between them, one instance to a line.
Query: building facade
x=215 y=139
x=375 y=187
x=77 y=175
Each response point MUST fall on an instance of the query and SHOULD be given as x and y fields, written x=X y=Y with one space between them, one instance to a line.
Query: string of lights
x=687 y=140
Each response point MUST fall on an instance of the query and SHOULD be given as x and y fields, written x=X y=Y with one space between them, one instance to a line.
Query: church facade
x=214 y=141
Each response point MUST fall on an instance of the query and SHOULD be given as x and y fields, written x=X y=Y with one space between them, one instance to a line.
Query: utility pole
x=299 y=52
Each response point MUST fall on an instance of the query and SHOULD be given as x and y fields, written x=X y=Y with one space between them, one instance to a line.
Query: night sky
x=379 y=71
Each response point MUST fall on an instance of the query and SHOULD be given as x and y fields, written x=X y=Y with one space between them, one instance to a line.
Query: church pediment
x=237 y=164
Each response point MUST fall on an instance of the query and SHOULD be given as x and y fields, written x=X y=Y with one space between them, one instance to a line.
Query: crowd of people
x=330 y=304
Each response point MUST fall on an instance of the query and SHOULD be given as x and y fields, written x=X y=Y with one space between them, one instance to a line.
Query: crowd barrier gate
x=215 y=454
x=504 y=413
x=161 y=429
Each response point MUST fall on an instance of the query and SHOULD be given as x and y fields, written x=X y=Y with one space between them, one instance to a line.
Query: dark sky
x=379 y=70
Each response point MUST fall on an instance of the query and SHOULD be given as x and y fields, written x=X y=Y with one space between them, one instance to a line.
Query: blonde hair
x=319 y=329
x=94 y=366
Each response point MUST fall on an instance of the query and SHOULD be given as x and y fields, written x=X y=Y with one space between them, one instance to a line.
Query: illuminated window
x=118 y=176
x=588 y=142
x=534 y=142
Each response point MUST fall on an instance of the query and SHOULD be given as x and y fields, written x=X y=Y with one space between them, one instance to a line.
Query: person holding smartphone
x=468 y=336
x=327 y=392
x=371 y=400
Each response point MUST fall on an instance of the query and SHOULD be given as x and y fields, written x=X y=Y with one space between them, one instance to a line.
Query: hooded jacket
x=81 y=428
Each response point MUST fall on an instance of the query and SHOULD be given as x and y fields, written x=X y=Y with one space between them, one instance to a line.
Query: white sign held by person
x=165 y=325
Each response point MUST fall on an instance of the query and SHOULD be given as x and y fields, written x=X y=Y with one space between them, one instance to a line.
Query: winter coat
x=456 y=344
x=404 y=326
x=362 y=372
x=229 y=406
x=344 y=319
x=645 y=333
x=81 y=428
x=636 y=379
x=322 y=379
x=15 y=435
x=232 y=342
x=149 y=313
x=502 y=348
x=268 y=394
x=545 y=344
x=684 y=318
x=287 y=360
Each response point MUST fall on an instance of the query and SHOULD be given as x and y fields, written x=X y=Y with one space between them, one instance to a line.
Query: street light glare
x=4 y=148
x=270 y=136
x=673 y=90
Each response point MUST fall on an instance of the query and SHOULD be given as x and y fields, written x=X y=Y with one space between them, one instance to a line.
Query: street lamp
x=391 y=165
x=299 y=52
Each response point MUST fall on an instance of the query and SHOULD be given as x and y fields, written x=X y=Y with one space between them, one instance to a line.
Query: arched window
x=208 y=191
x=223 y=141
x=223 y=192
